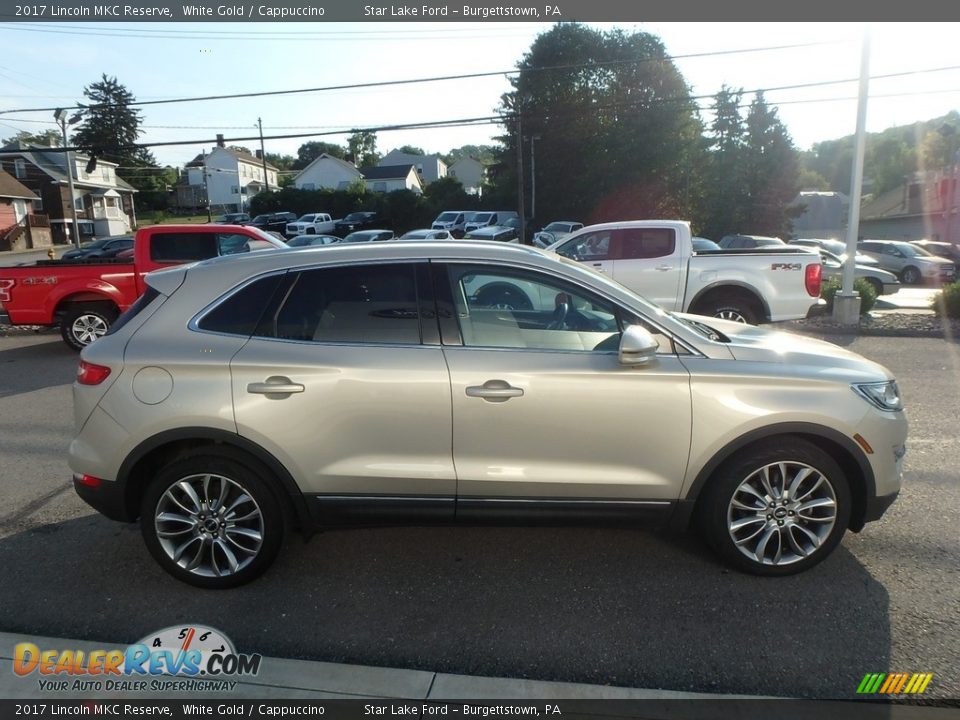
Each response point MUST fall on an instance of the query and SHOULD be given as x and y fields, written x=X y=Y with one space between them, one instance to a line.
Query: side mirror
x=637 y=346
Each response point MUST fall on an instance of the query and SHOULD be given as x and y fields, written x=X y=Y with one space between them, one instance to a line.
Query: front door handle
x=598 y=266
x=664 y=268
x=494 y=391
x=275 y=385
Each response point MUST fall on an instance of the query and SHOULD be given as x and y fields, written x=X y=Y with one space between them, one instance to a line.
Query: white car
x=555 y=231
x=311 y=224
x=427 y=234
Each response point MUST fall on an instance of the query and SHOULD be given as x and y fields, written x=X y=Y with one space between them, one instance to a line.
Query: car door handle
x=494 y=391
x=664 y=268
x=598 y=266
x=275 y=386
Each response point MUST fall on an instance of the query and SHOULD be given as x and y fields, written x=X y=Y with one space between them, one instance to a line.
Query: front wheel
x=84 y=324
x=776 y=509
x=211 y=521
x=910 y=276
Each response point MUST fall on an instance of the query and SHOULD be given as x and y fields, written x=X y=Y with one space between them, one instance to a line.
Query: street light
x=61 y=117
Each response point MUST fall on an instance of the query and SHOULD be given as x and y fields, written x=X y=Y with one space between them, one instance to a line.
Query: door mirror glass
x=637 y=346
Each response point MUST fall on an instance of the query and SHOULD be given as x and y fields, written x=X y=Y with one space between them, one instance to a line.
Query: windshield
x=447 y=217
x=913 y=250
x=354 y=217
x=261 y=218
x=556 y=227
x=263 y=235
x=305 y=218
x=481 y=217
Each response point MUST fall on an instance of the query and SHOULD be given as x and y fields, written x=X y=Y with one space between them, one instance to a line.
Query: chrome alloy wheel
x=88 y=327
x=730 y=314
x=782 y=513
x=209 y=525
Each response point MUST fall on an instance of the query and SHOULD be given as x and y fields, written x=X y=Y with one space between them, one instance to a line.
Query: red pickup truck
x=85 y=297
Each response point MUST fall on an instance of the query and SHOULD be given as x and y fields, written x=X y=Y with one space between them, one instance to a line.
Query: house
x=103 y=202
x=226 y=177
x=824 y=214
x=20 y=228
x=915 y=210
x=471 y=173
x=386 y=178
x=327 y=172
x=430 y=168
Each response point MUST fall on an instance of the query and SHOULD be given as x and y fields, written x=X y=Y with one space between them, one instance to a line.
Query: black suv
x=356 y=221
x=273 y=221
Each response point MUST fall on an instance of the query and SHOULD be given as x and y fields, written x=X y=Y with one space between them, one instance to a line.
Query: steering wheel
x=559 y=319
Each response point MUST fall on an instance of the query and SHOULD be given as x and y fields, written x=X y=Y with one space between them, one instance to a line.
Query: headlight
x=884 y=395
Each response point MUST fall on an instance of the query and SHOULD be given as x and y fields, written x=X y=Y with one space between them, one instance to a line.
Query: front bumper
x=878 y=505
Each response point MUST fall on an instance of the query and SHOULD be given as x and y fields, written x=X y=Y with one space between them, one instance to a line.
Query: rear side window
x=182 y=247
x=131 y=312
x=645 y=242
x=359 y=304
x=240 y=313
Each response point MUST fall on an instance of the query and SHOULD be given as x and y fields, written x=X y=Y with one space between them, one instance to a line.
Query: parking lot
x=605 y=606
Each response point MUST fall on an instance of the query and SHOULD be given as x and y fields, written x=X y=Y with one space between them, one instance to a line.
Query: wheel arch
x=731 y=287
x=841 y=448
x=137 y=469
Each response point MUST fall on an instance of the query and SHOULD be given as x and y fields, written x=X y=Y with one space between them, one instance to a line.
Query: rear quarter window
x=240 y=313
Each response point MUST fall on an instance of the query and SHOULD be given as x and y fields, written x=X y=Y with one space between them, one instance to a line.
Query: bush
x=946 y=303
x=868 y=296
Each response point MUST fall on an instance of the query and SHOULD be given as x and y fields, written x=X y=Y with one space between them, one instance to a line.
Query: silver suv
x=433 y=382
x=911 y=263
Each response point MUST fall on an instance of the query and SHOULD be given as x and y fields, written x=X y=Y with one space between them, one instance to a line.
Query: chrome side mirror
x=637 y=346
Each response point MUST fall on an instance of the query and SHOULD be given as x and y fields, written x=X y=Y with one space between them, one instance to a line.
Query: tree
x=723 y=210
x=281 y=162
x=240 y=148
x=483 y=153
x=411 y=150
x=617 y=131
x=310 y=151
x=50 y=138
x=363 y=148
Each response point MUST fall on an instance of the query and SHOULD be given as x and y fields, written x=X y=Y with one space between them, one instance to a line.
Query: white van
x=483 y=218
x=453 y=221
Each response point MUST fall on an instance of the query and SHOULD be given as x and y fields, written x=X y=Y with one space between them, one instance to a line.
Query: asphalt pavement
x=608 y=607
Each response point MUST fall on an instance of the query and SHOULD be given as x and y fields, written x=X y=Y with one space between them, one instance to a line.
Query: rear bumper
x=107 y=498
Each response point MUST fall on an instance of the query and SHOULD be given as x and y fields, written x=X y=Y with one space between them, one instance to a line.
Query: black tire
x=910 y=276
x=85 y=323
x=503 y=295
x=213 y=532
x=876 y=285
x=311 y=231
x=785 y=523
x=730 y=307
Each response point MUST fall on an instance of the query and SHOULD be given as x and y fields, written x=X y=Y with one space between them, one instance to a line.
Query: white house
x=470 y=172
x=327 y=172
x=232 y=177
x=430 y=167
x=392 y=177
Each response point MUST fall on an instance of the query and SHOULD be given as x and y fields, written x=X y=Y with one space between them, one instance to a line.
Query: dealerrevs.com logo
x=176 y=658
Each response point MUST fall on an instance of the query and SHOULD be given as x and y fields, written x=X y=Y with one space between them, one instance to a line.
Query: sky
x=47 y=65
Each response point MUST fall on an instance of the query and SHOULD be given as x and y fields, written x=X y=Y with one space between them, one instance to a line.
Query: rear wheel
x=85 y=323
x=211 y=521
x=730 y=306
x=776 y=509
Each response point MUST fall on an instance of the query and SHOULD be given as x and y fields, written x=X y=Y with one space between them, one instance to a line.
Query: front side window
x=594 y=246
x=358 y=304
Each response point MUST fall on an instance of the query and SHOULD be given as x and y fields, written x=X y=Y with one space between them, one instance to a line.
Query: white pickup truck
x=311 y=224
x=655 y=258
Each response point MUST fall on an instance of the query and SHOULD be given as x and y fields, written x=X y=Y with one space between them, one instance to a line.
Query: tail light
x=90 y=374
x=812 y=279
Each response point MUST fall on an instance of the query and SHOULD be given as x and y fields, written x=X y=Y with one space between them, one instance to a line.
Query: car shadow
x=596 y=605
x=45 y=362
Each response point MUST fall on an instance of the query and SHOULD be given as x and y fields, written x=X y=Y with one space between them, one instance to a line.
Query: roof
x=239 y=155
x=898 y=203
x=42 y=157
x=323 y=156
x=387 y=172
x=10 y=187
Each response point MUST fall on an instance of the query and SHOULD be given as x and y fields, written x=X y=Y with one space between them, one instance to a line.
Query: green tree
x=411 y=150
x=724 y=205
x=483 y=153
x=363 y=148
x=310 y=151
x=617 y=131
x=50 y=138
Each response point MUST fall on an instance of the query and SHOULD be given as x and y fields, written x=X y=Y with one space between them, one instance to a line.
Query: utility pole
x=533 y=178
x=61 y=117
x=263 y=157
x=520 y=199
x=206 y=187
x=949 y=197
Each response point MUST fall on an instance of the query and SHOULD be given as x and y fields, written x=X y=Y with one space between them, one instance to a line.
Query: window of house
x=105 y=174
x=309 y=186
x=19 y=169
x=38 y=203
x=234 y=190
x=358 y=304
x=380 y=187
x=77 y=201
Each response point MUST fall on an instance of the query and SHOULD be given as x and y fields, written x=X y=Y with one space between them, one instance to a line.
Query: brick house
x=20 y=227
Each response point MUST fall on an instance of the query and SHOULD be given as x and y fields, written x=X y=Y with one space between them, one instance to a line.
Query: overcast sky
x=49 y=64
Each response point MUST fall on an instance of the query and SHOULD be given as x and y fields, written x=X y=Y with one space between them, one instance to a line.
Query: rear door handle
x=275 y=385
x=494 y=391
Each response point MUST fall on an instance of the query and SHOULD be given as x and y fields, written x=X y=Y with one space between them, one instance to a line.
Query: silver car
x=882 y=282
x=911 y=263
x=437 y=381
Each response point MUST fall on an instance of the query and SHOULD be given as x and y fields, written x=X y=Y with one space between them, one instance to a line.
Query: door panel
x=648 y=262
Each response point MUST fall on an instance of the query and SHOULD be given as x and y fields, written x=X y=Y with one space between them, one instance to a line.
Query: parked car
x=496 y=233
x=362 y=236
x=836 y=247
x=555 y=231
x=356 y=221
x=86 y=299
x=453 y=221
x=911 y=263
x=941 y=249
x=311 y=224
x=883 y=282
x=310 y=240
x=482 y=218
x=233 y=219
x=656 y=259
x=690 y=421
x=427 y=234
x=748 y=241
x=274 y=222
x=701 y=244
x=105 y=247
